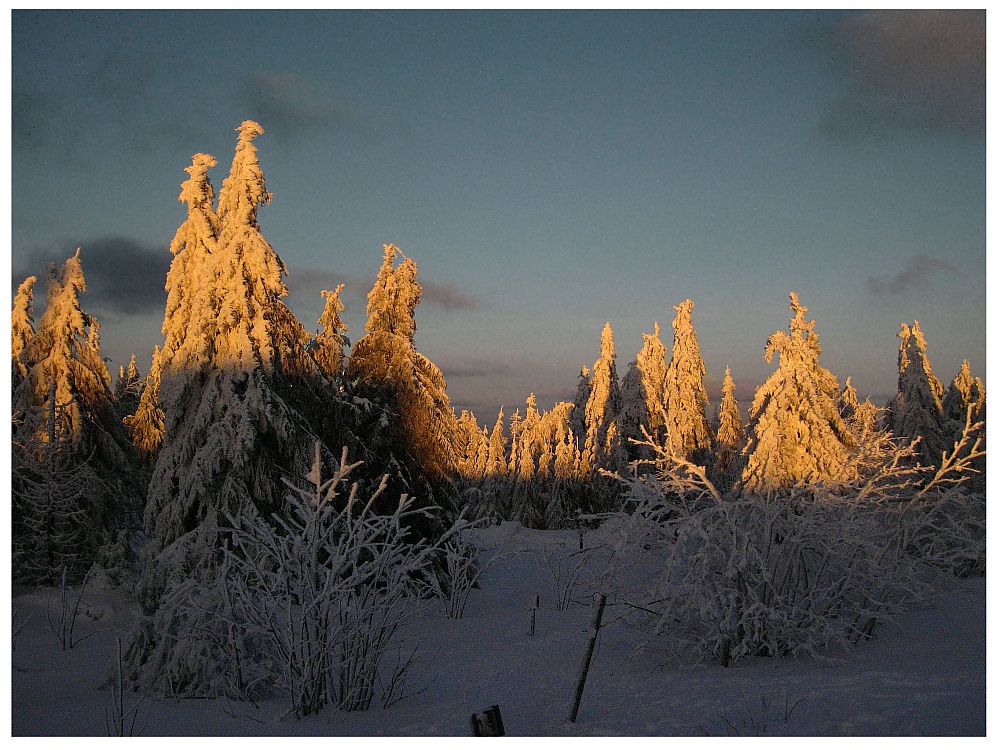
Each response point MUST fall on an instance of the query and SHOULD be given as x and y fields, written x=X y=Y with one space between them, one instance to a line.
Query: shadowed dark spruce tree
x=966 y=399
x=916 y=411
x=643 y=408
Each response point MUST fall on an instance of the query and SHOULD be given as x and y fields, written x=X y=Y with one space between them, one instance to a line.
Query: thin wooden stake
x=588 y=654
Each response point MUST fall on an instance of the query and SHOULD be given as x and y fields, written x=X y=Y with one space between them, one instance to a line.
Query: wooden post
x=532 y=609
x=588 y=654
x=488 y=723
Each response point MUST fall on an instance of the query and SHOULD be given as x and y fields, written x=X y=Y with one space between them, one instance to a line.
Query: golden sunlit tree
x=237 y=387
x=729 y=438
x=796 y=431
x=128 y=388
x=386 y=367
x=603 y=405
x=496 y=463
x=188 y=326
x=145 y=425
x=469 y=443
x=862 y=418
x=328 y=346
x=688 y=434
x=22 y=330
x=964 y=394
x=71 y=459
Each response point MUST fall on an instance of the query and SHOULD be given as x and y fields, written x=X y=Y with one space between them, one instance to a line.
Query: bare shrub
x=566 y=572
x=71 y=606
x=761 y=717
x=461 y=574
x=120 y=719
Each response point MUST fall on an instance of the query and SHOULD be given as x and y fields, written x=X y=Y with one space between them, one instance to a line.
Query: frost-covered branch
x=314 y=600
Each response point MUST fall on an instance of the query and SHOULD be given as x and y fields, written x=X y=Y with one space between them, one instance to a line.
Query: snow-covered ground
x=924 y=675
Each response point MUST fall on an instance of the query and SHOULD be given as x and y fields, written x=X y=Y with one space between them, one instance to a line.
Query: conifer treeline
x=239 y=392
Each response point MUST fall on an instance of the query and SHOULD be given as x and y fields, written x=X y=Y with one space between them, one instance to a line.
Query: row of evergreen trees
x=801 y=426
x=239 y=392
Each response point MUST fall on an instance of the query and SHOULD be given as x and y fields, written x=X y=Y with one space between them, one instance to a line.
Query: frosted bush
x=724 y=578
x=314 y=601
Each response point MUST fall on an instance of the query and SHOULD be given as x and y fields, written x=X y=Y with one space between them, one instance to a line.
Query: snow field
x=923 y=675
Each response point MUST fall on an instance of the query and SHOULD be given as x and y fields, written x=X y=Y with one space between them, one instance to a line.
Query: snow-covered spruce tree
x=643 y=408
x=55 y=514
x=61 y=353
x=128 y=389
x=527 y=449
x=515 y=443
x=189 y=317
x=328 y=346
x=632 y=418
x=145 y=425
x=578 y=415
x=861 y=418
x=548 y=493
x=964 y=394
x=243 y=404
x=22 y=330
x=603 y=405
x=566 y=466
x=469 y=441
x=687 y=428
x=483 y=453
x=496 y=465
x=729 y=438
x=386 y=368
x=795 y=430
x=65 y=418
x=530 y=443
x=916 y=410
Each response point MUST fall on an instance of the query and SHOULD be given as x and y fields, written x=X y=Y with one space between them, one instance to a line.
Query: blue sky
x=547 y=171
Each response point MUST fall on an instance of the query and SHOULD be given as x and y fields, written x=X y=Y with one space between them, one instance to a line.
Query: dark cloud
x=916 y=274
x=123 y=276
x=446 y=296
x=912 y=70
x=294 y=105
x=308 y=283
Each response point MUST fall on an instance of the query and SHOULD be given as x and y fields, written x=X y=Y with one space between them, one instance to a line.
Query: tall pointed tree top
x=249 y=130
x=683 y=313
x=197 y=190
x=244 y=189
